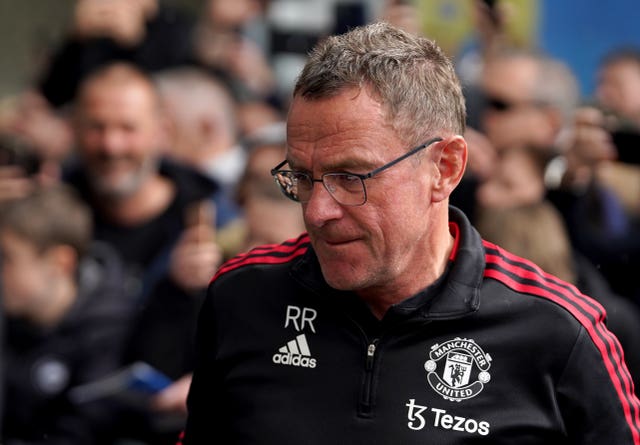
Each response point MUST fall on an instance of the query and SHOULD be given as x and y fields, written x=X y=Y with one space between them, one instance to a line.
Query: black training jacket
x=495 y=352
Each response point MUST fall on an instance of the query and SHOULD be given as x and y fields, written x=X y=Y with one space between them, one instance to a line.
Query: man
x=204 y=131
x=392 y=321
x=525 y=100
x=66 y=318
x=530 y=99
x=604 y=152
x=147 y=33
x=156 y=214
x=618 y=87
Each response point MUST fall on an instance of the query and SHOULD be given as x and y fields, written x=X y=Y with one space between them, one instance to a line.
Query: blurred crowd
x=140 y=159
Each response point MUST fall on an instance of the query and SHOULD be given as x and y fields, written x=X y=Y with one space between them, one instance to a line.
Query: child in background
x=65 y=317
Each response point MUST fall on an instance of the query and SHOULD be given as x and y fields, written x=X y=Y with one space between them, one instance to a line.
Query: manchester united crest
x=458 y=369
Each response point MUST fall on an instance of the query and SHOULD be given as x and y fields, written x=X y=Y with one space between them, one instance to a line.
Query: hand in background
x=121 y=20
x=589 y=146
x=482 y=154
x=196 y=256
x=14 y=183
x=174 y=397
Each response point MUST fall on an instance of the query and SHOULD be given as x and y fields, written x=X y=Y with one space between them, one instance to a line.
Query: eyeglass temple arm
x=275 y=169
x=403 y=157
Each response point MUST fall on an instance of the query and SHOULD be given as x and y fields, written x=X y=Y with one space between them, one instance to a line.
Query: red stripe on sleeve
x=268 y=254
x=576 y=303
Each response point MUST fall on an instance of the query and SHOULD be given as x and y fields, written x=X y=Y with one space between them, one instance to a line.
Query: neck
x=149 y=201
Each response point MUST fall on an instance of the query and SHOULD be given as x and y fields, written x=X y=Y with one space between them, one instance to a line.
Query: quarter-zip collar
x=455 y=294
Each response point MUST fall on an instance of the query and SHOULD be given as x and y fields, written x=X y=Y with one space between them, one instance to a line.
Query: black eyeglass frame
x=502 y=105
x=277 y=170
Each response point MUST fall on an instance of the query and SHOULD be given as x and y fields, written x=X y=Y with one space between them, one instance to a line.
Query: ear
x=555 y=120
x=450 y=162
x=64 y=258
x=206 y=129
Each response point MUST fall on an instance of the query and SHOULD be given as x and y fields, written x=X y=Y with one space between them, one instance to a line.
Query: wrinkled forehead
x=350 y=110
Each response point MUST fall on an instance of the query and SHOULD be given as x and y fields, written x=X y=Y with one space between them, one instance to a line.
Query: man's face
x=511 y=117
x=26 y=275
x=619 y=89
x=382 y=242
x=118 y=132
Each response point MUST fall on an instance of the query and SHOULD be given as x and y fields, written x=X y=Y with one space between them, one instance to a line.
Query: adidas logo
x=295 y=353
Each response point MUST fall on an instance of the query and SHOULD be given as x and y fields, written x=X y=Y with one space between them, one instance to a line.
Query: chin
x=119 y=186
x=343 y=276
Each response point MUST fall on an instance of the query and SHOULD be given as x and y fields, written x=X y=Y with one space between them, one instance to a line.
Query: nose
x=113 y=141
x=321 y=207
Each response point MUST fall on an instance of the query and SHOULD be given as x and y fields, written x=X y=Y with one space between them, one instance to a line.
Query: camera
x=626 y=139
x=16 y=152
x=625 y=136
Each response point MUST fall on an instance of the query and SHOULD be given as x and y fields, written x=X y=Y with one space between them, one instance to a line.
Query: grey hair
x=410 y=75
x=200 y=93
x=556 y=86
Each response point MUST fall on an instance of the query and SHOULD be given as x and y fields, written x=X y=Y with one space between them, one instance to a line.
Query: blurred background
x=576 y=31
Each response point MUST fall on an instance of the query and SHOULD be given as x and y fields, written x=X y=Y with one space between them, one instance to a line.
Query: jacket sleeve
x=596 y=394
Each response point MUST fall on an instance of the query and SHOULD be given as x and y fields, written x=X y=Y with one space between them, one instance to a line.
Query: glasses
x=501 y=105
x=346 y=188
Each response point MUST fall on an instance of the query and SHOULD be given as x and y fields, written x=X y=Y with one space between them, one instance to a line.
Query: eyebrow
x=346 y=165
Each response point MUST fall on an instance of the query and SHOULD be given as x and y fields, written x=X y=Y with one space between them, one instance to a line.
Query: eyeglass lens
x=345 y=188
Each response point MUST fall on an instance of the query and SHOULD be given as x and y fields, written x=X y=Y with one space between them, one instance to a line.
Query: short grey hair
x=557 y=87
x=410 y=75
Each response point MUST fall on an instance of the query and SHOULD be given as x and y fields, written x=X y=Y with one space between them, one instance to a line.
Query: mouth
x=337 y=242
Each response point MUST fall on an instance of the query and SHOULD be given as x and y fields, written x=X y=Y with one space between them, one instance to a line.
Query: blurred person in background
x=514 y=213
x=604 y=154
x=20 y=167
x=528 y=101
x=256 y=115
x=232 y=39
x=531 y=102
x=517 y=180
x=618 y=83
x=616 y=151
x=28 y=116
x=489 y=25
x=146 y=33
x=269 y=216
x=402 y=14
x=160 y=217
x=67 y=317
x=203 y=124
x=36 y=143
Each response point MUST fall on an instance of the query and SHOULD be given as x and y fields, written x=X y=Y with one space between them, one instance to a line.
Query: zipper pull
x=371 y=352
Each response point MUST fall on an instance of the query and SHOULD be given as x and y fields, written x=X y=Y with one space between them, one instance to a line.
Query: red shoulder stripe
x=267 y=254
x=587 y=311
